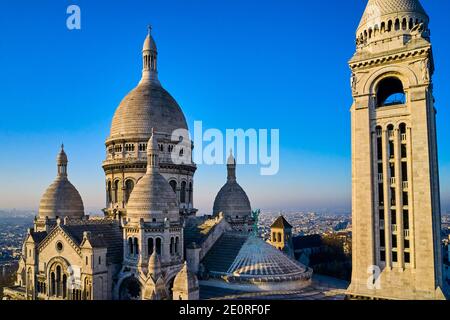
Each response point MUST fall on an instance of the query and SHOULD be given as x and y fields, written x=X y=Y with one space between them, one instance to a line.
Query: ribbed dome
x=377 y=9
x=145 y=107
x=153 y=197
x=61 y=199
x=232 y=200
x=258 y=259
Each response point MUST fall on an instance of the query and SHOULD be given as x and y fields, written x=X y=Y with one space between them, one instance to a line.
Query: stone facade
x=395 y=197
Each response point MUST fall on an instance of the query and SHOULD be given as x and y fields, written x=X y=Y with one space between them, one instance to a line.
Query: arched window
x=390 y=92
x=190 y=193
x=177 y=245
x=404 y=26
x=116 y=191
x=279 y=237
x=172 y=244
x=136 y=246
x=150 y=246
x=64 y=286
x=397 y=25
x=58 y=281
x=173 y=184
x=129 y=186
x=109 y=194
x=52 y=284
x=130 y=246
x=158 y=245
x=183 y=192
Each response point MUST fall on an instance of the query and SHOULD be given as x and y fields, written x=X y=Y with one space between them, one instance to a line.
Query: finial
x=149 y=27
x=62 y=146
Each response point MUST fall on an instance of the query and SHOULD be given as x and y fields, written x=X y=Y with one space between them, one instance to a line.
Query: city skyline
x=88 y=71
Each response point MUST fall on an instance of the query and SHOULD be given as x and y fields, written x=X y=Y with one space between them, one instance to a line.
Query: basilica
x=150 y=244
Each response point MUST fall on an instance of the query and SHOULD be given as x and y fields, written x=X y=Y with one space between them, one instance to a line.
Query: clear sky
x=230 y=63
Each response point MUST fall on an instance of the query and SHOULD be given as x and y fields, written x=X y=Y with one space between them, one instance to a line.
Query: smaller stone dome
x=185 y=281
x=153 y=199
x=232 y=200
x=154 y=266
x=61 y=199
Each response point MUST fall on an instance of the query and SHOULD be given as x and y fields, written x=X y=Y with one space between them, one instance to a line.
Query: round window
x=59 y=246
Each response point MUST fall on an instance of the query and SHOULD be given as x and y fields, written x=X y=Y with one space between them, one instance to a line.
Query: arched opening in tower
x=390 y=92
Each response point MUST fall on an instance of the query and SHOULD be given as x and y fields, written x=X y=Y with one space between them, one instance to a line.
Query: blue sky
x=230 y=63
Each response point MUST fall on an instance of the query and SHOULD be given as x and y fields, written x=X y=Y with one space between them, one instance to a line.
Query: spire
x=231 y=167
x=61 y=162
x=149 y=59
x=152 y=154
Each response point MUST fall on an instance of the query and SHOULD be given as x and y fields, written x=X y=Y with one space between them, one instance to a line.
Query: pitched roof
x=38 y=236
x=103 y=235
x=197 y=230
x=281 y=222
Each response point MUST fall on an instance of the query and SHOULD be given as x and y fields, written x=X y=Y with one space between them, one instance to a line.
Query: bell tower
x=395 y=181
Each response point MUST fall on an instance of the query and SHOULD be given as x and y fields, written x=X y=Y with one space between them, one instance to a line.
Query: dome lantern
x=149 y=59
x=61 y=162
x=231 y=167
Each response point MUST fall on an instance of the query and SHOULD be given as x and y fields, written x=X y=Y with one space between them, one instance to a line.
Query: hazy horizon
x=230 y=64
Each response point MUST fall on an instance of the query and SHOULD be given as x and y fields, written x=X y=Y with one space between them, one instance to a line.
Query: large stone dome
x=153 y=199
x=61 y=199
x=232 y=200
x=148 y=105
